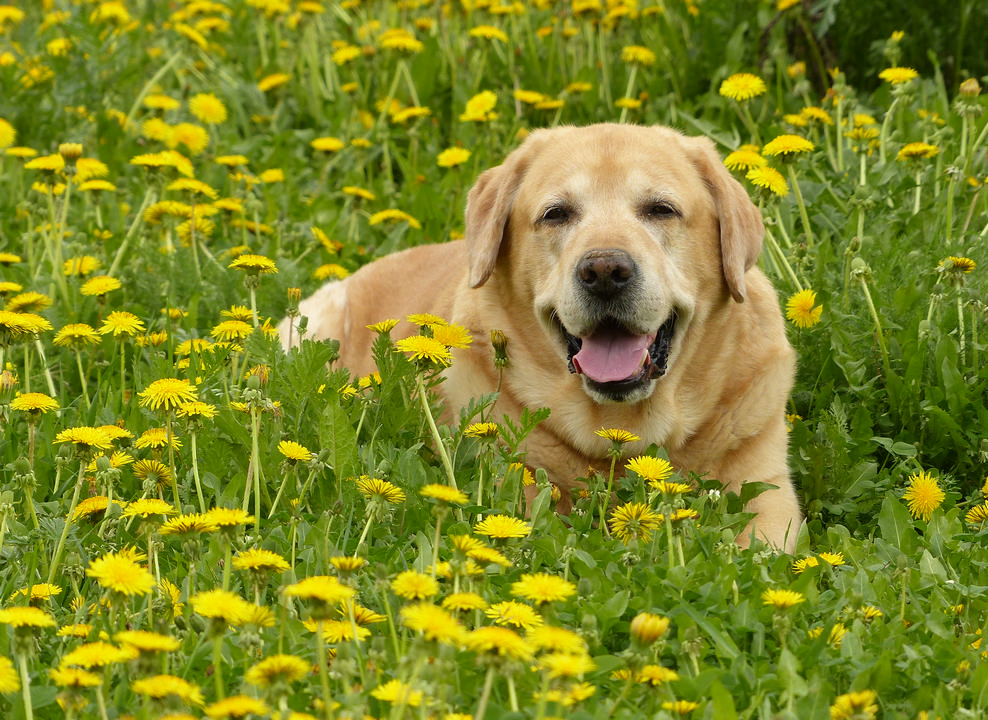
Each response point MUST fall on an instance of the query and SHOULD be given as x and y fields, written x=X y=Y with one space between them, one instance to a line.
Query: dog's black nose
x=606 y=272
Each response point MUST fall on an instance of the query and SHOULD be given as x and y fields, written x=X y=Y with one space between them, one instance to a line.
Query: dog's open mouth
x=615 y=360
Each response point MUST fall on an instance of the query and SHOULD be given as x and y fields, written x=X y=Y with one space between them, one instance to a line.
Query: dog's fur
x=602 y=233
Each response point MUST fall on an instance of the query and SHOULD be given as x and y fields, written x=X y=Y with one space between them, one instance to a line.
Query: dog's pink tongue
x=609 y=358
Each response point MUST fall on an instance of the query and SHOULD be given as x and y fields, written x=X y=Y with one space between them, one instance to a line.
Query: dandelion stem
x=606 y=500
x=218 y=666
x=327 y=697
x=879 y=333
x=803 y=214
x=25 y=685
x=195 y=473
x=440 y=446
x=82 y=379
x=56 y=558
x=628 y=91
x=131 y=231
x=485 y=694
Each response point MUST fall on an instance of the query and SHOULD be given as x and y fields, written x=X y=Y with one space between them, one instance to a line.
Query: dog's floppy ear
x=488 y=207
x=741 y=227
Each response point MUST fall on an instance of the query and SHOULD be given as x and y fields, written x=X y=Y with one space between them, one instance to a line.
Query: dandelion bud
x=646 y=628
x=70 y=152
x=500 y=342
x=294 y=295
x=970 y=89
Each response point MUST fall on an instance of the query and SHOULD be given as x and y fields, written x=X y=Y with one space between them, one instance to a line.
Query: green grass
x=891 y=384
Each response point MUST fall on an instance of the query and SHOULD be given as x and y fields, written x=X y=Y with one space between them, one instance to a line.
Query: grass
x=293 y=536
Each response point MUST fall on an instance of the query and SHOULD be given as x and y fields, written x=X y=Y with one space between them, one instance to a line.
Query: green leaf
x=896 y=525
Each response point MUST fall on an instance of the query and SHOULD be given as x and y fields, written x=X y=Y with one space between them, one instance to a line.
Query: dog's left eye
x=660 y=209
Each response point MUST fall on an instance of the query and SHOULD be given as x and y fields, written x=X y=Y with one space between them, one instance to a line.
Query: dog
x=620 y=263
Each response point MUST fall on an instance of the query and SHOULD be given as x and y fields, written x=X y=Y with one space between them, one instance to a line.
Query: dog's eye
x=555 y=214
x=659 y=209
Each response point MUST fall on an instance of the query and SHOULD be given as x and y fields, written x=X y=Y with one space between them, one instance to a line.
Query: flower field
x=195 y=523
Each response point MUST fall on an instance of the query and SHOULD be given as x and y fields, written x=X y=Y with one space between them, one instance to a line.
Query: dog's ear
x=741 y=227
x=488 y=208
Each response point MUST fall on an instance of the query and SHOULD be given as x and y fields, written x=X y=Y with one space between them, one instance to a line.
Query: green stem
x=218 y=666
x=803 y=214
x=879 y=333
x=627 y=92
x=440 y=446
x=56 y=558
x=25 y=686
x=485 y=694
x=606 y=500
x=327 y=697
x=195 y=474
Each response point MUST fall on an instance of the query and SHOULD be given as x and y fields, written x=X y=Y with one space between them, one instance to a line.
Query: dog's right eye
x=555 y=215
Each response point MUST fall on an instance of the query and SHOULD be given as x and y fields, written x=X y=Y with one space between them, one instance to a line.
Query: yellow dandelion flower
x=397 y=692
x=26 y=616
x=542 y=588
x=742 y=86
x=917 y=151
x=502 y=527
x=801 y=311
x=923 y=495
x=167 y=394
x=76 y=335
x=272 y=81
x=254 y=264
x=898 y=75
x=161 y=687
x=650 y=468
x=452 y=157
x=787 y=146
x=425 y=349
x=208 y=108
x=634 y=520
x=637 y=55
x=444 y=494
x=958 y=265
x=122 y=573
x=977 y=514
x=464 y=601
x=479 y=107
x=499 y=641
x=276 y=669
x=393 y=215
x=770 y=179
x=744 y=159
x=858 y=705
x=782 y=599
x=413 y=585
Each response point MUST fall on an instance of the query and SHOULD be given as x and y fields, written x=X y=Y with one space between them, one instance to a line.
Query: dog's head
x=621 y=238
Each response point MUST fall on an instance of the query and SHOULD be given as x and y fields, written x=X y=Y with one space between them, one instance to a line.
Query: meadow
x=194 y=523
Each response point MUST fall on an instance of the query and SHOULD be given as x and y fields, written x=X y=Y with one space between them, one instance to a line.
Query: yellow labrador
x=619 y=261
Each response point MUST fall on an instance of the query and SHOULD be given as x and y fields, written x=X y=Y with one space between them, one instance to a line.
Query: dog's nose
x=605 y=272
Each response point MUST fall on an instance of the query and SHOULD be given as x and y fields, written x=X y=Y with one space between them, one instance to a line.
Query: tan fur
x=718 y=410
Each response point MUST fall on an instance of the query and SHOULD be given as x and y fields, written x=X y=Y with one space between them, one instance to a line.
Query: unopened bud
x=70 y=152
x=970 y=89
x=646 y=628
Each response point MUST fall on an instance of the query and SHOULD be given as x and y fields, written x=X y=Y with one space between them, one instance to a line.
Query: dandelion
x=511 y=612
x=502 y=527
x=787 y=146
x=634 y=521
x=413 y=585
x=923 y=495
x=464 y=601
x=650 y=469
x=161 y=687
x=956 y=265
x=782 y=599
x=770 y=179
x=617 y=436
x=100 y=285
x=277 y=670
x=542 y=588
x=855 y=706
x=742 y=86
x=801 y=311
x=479 y=108
x=236 y=706
x=977 y=514
x=898 y=75
x=647 y=628
x=122 y=573
x=121 y=323
x=433 y=622
x=452 y=157
x=746 y=158
x=426 y=350
x=394 y=216
x=208 y=108
x=167 y=394
x=917 y=150
x=398 y=693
